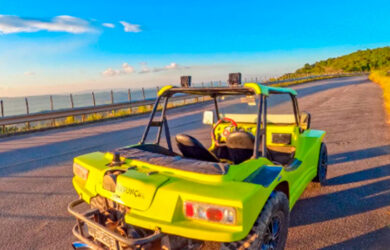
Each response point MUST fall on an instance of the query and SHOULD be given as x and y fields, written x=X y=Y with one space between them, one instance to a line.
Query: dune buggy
x=238 y=192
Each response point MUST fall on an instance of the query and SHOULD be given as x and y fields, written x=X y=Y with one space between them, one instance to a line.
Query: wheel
x=322 y=167
x=271 y=227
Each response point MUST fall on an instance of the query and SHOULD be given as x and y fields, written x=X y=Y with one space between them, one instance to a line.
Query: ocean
x=17 y=105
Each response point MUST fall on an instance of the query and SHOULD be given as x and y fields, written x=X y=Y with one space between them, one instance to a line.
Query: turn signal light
x=201 y=211
x=80 y=171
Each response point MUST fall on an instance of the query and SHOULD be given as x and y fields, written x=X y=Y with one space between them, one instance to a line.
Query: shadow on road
x=378 y=239
x=367 y=174
x=359 y=154
x=305 y=91
x=36 y=217
x=350 y=201
x=36 y=193
x=341 y=204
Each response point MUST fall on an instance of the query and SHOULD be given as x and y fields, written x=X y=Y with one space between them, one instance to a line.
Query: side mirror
x=208 y=117
x=305 y=120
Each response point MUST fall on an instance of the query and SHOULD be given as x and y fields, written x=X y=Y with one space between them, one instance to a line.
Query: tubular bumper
x=117 y=239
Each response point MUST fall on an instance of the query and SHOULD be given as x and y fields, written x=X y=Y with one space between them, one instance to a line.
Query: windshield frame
x=214 y=93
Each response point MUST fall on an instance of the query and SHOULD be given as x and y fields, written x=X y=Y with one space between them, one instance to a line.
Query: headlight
x=196 y=210
x=80 y=171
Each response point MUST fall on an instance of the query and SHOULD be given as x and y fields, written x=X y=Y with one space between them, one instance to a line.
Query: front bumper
x=112 y=240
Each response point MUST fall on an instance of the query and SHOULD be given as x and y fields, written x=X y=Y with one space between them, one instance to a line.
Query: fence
x=134 y=102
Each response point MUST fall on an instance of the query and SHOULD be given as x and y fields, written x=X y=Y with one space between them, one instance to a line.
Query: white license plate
x=102 y=237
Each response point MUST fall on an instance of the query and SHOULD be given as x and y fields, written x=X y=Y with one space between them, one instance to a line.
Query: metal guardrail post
x=71 y=101
x=53 y=122
x=129 y=98
x=93 y=99
x=112 y=102
x=2 y=115
x=202 y=84
x=143 y=94
x=28 y=112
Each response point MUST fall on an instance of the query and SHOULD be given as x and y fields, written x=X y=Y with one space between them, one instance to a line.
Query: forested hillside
x=361 y=60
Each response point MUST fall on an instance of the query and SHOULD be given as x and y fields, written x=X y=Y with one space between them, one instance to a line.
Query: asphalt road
x=352 y=211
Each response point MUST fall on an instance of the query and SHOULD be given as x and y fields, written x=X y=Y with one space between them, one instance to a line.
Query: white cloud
x=128 y=27
x=144 y=68
x=171 y=66
x=110 y=72
x=126 y=69
x=108 y=25
x=29 y=73
x=70 y=24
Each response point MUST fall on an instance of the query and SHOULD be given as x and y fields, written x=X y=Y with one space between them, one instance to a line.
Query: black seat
x=192 y=148
x=240 y=145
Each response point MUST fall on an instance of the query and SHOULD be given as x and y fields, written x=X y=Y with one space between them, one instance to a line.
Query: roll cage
x=249 y=89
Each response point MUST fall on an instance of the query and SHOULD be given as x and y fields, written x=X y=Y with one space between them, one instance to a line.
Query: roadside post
x=28 y=112
x=71 y=103
x=129 y=98
x=2 y=114
x=93 y=99
x=53 y=122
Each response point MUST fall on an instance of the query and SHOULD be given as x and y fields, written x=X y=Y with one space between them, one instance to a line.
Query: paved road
x=353 y=211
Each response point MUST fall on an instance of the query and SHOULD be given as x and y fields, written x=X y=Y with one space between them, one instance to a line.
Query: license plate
x=102 y=237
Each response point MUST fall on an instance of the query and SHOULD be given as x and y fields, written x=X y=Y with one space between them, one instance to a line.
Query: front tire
x=271 y=227
x=322 y=167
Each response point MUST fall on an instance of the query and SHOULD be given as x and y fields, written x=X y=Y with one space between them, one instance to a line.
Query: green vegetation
x=359 y=61
x=313 y=78
x=383 y=79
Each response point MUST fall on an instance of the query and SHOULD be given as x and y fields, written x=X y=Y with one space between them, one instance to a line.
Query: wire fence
x=21 y=114
x=11 y=106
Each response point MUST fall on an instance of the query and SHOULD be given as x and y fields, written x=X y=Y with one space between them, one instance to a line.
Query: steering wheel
x=226 y=132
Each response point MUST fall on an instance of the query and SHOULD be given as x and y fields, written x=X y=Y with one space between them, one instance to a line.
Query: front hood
x=137 y=189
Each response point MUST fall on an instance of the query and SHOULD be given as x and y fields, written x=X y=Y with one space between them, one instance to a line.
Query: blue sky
x=70 y=46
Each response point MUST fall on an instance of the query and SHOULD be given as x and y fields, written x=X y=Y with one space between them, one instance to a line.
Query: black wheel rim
x=323 y=165
x=271 y=236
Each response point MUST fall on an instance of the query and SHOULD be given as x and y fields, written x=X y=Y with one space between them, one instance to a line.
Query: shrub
x=383 y=80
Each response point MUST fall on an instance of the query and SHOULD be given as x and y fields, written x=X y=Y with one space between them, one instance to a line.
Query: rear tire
x=270 y=229
x=322 y=167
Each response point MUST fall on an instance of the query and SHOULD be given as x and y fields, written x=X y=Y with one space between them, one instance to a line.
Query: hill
x=359 y=61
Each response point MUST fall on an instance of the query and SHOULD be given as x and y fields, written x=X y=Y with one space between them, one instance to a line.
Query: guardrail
x=72 y=112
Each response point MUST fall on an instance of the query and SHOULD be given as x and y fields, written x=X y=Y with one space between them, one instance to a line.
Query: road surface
x=352 y=211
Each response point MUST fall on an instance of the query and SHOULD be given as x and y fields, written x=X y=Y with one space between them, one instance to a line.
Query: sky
x=50 y=47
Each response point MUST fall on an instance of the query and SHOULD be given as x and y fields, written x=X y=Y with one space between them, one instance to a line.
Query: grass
x=290 y=83
x=382 y=78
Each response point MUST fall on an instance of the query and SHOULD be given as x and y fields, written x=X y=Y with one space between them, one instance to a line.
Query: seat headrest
x=240 y=140
x=188 y=141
